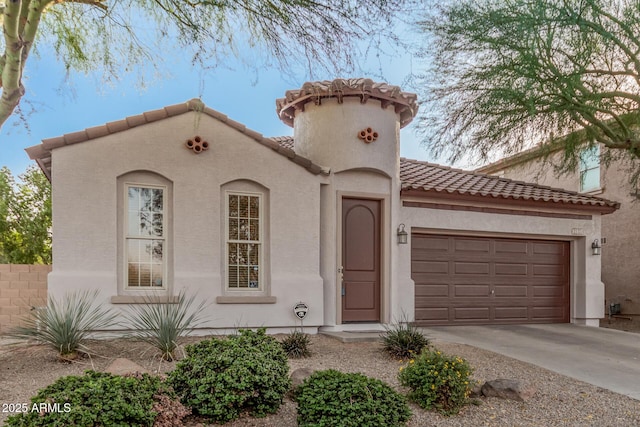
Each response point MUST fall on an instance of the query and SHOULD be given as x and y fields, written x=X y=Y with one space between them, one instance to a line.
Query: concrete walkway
x=604 y=357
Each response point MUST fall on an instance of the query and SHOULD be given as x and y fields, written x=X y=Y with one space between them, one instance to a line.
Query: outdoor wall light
x=595 y=247
x=402 y=235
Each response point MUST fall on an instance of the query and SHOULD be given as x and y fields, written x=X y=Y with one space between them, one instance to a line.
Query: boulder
x=123 y=366
x=508 y=389
x=299 y=375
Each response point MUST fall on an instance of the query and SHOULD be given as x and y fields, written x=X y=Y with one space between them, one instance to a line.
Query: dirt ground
x=559 y=401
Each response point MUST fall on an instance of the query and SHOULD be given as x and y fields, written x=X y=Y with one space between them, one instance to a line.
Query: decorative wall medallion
x=368 y=135
x=197 y=144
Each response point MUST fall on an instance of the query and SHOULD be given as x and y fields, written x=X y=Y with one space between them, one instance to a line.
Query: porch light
x=402 y=235
x=595 y=247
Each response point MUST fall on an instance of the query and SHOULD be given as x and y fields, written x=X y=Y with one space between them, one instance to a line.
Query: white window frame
x=584 y=169
x=127 y=237
x=261 y=265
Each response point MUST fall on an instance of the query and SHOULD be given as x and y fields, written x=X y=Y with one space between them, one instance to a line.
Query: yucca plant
x=162 y=325
x=403 y=340
x=296 y=345
x=66 y=324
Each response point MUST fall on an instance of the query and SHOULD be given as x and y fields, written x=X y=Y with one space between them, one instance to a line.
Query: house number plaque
x=300 y=310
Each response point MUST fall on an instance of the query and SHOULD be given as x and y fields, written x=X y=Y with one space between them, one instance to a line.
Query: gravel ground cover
x=559 y=401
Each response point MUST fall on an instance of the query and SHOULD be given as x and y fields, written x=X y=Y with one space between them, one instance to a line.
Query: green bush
x=100 y=399
x=296 y=345
x=437 y=381
x=221 y=378
x=334 y=399
x=403 y=340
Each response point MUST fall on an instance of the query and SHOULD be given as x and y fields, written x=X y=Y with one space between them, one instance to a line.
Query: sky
x=64 y=103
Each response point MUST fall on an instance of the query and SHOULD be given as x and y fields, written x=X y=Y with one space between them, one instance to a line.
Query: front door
x=360 y=260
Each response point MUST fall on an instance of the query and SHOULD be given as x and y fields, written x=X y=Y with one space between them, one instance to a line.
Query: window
x=590 y=169
x=244 y=241
x=145 y=237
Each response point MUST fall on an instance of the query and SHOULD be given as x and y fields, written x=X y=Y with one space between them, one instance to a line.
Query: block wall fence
x=22 y=287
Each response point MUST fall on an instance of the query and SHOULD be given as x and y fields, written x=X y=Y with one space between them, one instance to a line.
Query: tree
x=119 y=35
x=506 y=75
x=25 y=217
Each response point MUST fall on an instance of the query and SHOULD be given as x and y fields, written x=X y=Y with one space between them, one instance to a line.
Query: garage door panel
x=462 y=245
x=512 y=313
x=433 y=314
x=479 y=268
x=549 y=270
x=431 y=244
x=432 y=290
x=515 y=291
x=510 y=248
x=471 y=290
x=490 y=280
x=472 y=313
x=431 y=267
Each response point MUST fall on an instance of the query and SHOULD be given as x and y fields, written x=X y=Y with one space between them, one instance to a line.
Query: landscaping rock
x=123 y=366
x=299 y=375
x=508 y=389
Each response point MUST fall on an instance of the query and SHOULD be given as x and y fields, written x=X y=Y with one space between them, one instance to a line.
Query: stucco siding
x=85 y=223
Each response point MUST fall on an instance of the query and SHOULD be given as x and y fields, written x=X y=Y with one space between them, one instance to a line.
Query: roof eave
x=510 y=201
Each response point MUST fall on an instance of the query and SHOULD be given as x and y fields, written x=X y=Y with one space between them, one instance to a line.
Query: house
x=186 y=198
x=619 y=237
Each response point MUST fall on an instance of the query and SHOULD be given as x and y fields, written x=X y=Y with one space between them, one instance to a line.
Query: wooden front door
x=360 y=260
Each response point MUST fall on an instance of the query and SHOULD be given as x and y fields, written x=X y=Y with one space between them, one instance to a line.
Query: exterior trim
x=245 y=300
x=139 y=299
x=505 y=211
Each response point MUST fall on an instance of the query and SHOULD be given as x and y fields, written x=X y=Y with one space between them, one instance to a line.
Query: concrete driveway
x=604 y=357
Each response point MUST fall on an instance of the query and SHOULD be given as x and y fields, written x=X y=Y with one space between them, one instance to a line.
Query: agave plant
x=164 y=324
x=403 y=340
x=66 y=324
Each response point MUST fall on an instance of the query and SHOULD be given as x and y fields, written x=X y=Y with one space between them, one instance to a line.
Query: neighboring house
x=620 y=235
x=186 y=198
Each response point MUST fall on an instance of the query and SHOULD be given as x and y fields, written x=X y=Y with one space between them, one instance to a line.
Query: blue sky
x=66 y=104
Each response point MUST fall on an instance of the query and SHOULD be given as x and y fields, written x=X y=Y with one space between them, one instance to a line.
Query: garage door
x=483 y=280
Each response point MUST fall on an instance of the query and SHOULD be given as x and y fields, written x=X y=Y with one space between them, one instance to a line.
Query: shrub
x=65 y=325
x=334 y=399
x=437 y=381
x=100 y=399
x=162 y=325
x=221 y=378
x=296 y=345
x=403 y=340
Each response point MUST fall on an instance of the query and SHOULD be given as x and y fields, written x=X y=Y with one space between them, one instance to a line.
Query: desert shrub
x=222 y=378
x=334 y=399
x=162 y=325
x=66 y=324
x=296 y=345
x=100 y=399
x=403 y=340
x=437 y=381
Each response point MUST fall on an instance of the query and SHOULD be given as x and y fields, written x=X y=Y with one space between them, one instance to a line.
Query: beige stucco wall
x=620 y=273
x=587 y=291
x=85 y=216
x=328 y=135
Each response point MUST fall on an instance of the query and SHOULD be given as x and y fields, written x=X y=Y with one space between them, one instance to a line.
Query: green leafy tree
x=504 y=75
x=120 y=35
x=25 y=217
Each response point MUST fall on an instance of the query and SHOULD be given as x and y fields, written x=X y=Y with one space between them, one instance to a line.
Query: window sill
x=142 y=299
x=593 y=192
x=245 y=300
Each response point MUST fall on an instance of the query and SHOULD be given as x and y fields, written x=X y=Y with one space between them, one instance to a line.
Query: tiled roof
x=284 y=141
x=405 y=104
x=41 y=153
x=429 y=178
